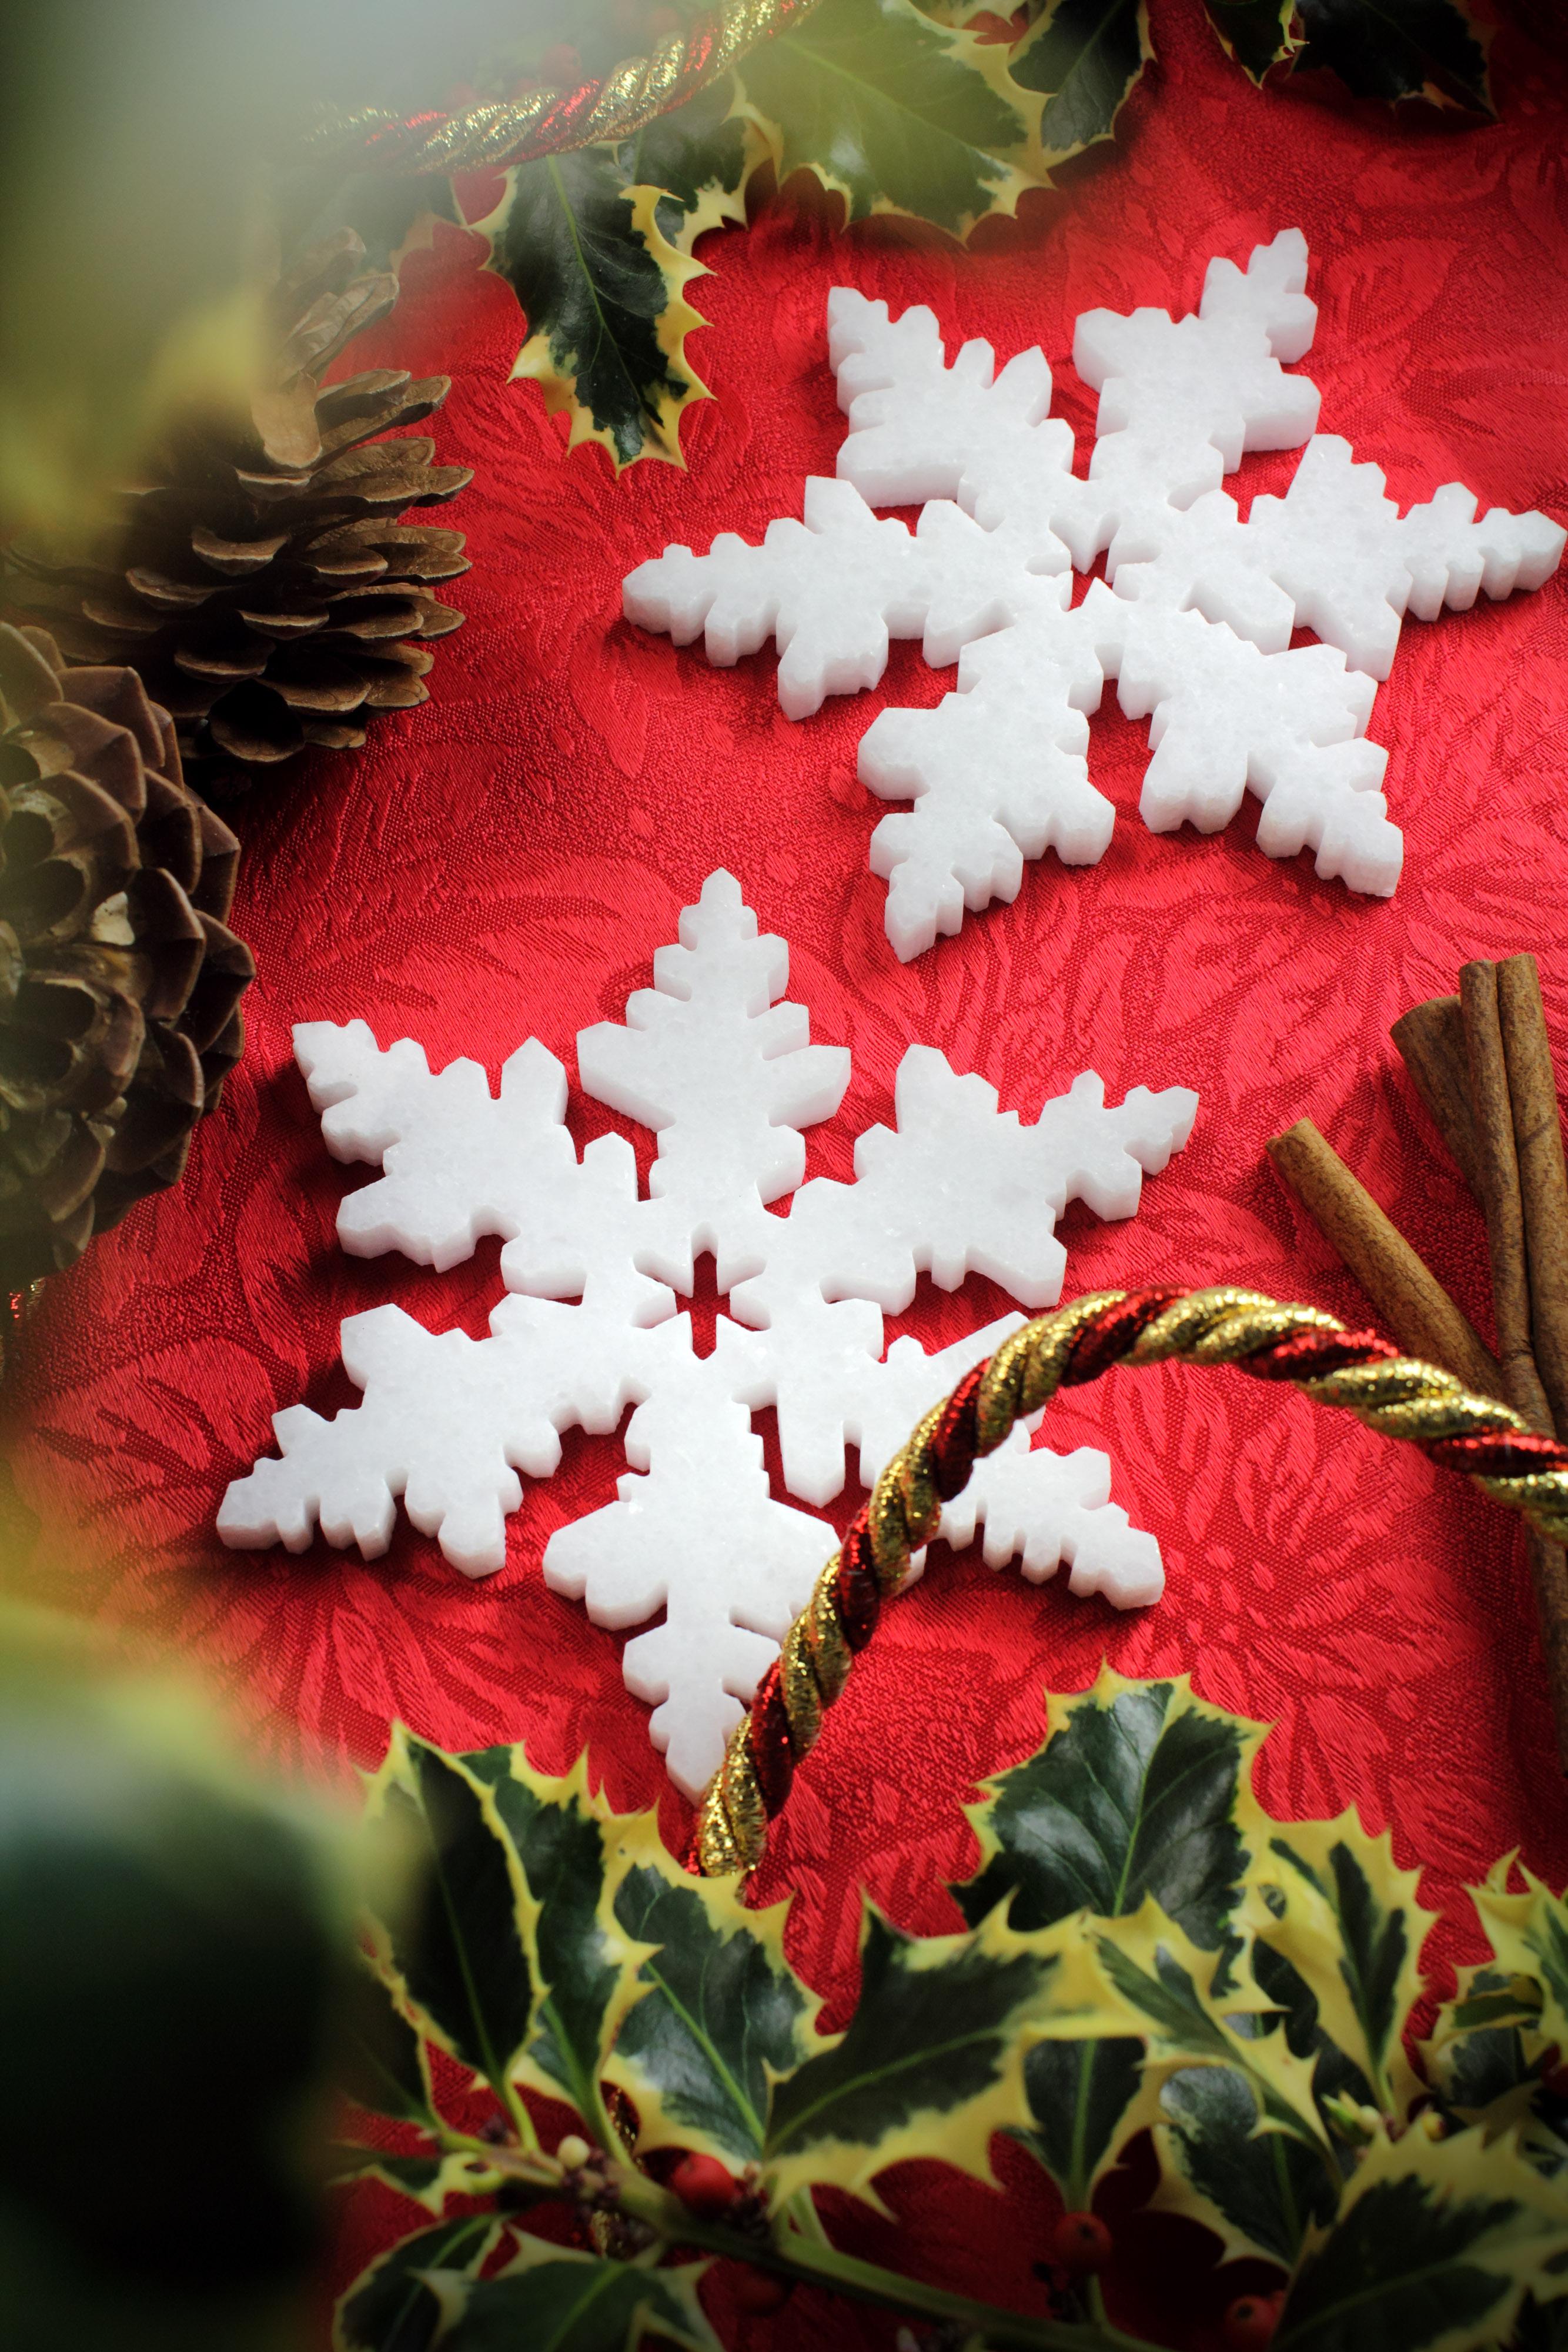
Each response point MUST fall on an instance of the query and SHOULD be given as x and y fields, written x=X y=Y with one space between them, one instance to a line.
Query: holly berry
x=1251 y=2322
x=1080 y=2242
x=760 y=2293
x=704 y=2186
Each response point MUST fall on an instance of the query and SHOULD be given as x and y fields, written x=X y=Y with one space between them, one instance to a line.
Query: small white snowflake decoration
x=722 y=1069
x=1195 y=626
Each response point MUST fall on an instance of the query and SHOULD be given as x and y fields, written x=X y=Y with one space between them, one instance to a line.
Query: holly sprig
x=1146 y=1950
x=942 y=110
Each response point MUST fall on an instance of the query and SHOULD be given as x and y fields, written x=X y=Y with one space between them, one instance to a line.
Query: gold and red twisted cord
x=1395 y=1394
x=547 y=121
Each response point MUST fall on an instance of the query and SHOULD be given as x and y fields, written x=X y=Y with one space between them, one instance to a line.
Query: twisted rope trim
x=1397 y=1395
x=546 y=122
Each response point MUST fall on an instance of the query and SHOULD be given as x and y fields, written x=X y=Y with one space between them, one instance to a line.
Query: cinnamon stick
x=1502 y=1199
x=1431 y=1042
x=1497 y=1161
x=1542 y=1180
x=1413 y=1303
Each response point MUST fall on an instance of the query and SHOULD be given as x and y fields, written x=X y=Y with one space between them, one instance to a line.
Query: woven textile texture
x=505 y=861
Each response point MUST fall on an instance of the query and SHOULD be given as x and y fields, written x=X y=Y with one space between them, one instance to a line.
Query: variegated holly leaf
x=588 y=1967
x=1529 y=1937
x=560 y=2301
x=1141 y=1790
x=1434 y=2246
x=460 y=1954
x=602 y=289
x=1432 y=50
x=721 y=2012
x=429 y=2180
x=1257 y=33
x=931 y=2062
x=895 y=113
x=1332 y=1900
x=1084 y=57
x=390 y=2308
x=699 y=158
x=1190 y=2011
x=381 y=2058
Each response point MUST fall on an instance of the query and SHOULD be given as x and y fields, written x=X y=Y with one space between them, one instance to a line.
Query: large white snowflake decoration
x=1195 y=626
x=723 y=1070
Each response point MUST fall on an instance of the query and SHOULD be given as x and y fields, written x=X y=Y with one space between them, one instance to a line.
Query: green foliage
x=571 y=2303
x=1257 y=33
x=1429 y=49
x=1084 y=55
x=1145 y=1949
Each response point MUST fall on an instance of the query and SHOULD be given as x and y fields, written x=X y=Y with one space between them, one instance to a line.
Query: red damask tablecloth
x=506 y=860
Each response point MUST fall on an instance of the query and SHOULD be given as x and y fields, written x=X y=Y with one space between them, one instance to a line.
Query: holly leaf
x=382 y=2058
x=722 y=2011
x=699 y=158
x=390 y=2308
x=1431 y=49
x=1529 y=1937
x=429 y=2180
x=895 y=113
x=550 y=2296
x=932 y=2062
x=1140 y=1790
x=587 y=1967
x=1433 y=2248
x=1079 y=2097
x=602 y=290
x=1189 y=2011
x=1258 y=2193
x=1084 y=57
x=1257 y=33
x=460 y=1955
x=1333 y=1901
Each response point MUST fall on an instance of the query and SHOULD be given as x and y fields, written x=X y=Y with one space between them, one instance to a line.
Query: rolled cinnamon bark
x=1542 y=1180
x=1499 y=1164
x=1502 y=1200
x=1431 y=1042
x=1413 y=1303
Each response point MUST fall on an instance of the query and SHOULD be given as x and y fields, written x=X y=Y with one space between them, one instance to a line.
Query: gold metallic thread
x=1400 y=1397
x=486 y=137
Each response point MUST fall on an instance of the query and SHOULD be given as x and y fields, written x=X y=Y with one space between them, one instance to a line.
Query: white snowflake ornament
x=1195 y=626
x=723 y=1069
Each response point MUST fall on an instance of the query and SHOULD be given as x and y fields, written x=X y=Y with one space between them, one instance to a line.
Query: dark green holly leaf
x=586 y=1968
x=459 y=1952
x=1400 y=48
x=1335 y=2074
x=552 y=2300
x=1257 y=33
x=381 y=2065
x=389 y=2308
x=699 y=158
x=1263 y=2188
x=931 y=2063
x=1078 y=2094
x=723 y=2008
x=1432 y=2249
x=428 y=2179
x=1353 y=1929
x=1084 y=57
x=894 y=112
x=1541 y=2327
x=1529 y=1936
x=1136 y=1792
x=602 y=289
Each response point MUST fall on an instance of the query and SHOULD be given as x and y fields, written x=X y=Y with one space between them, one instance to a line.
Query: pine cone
x=270 y=594
x=120 y=981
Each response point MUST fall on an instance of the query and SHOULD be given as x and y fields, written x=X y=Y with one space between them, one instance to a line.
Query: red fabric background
x=508 y=859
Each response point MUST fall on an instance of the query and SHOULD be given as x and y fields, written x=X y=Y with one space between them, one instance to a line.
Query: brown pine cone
x=119 y=981
x=270 y=594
